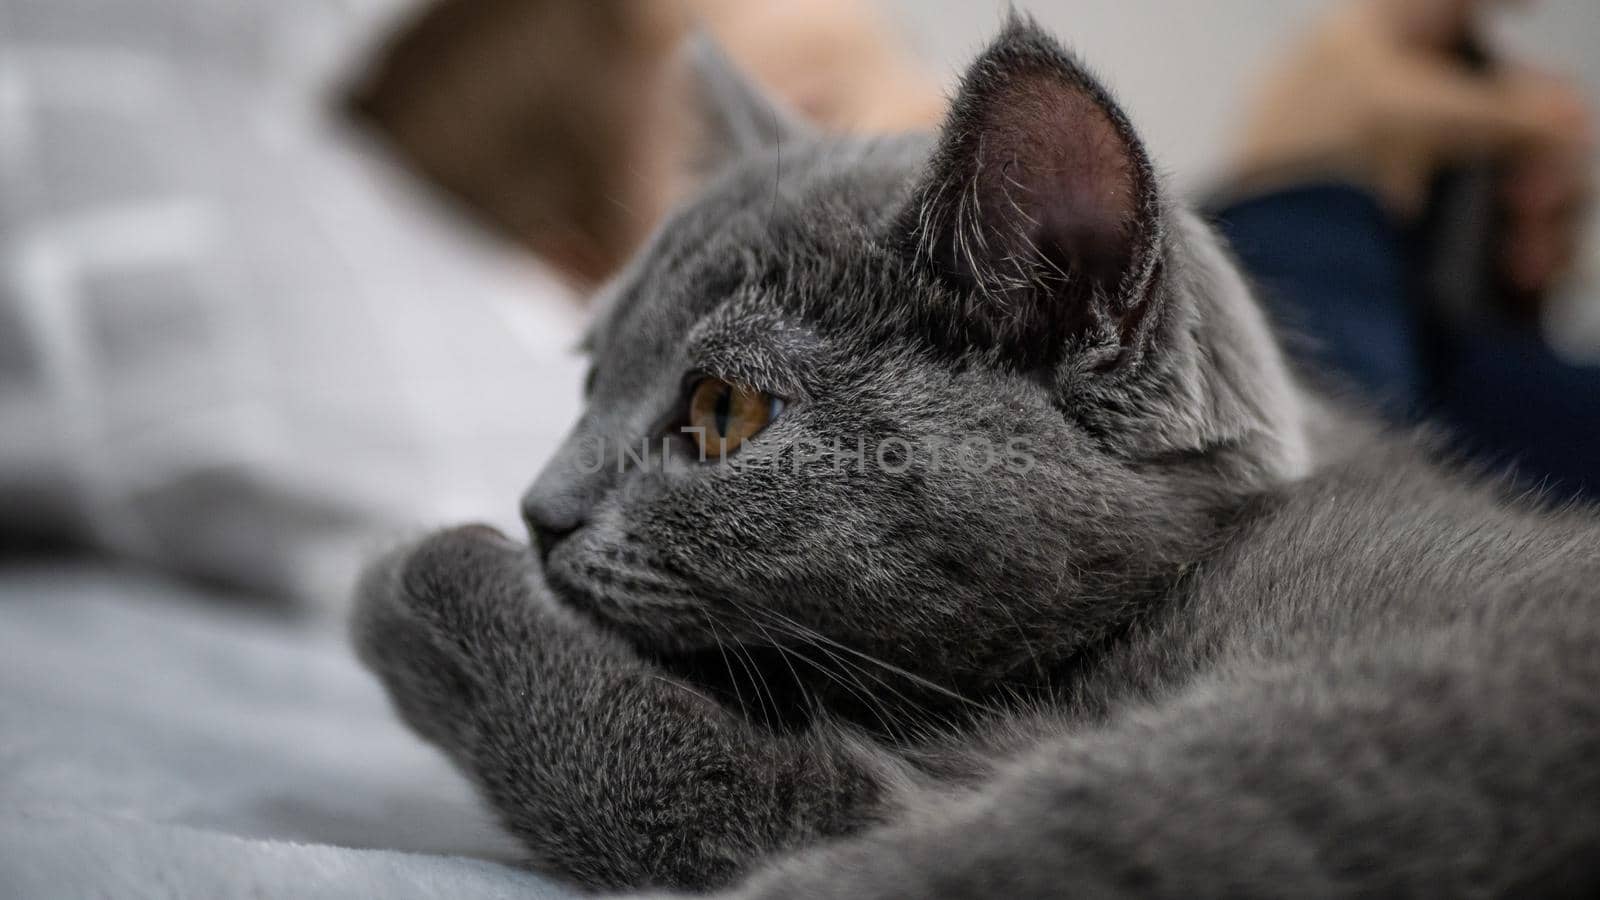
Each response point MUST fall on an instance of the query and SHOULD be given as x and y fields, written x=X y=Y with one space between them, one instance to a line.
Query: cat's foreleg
x=1438 y=767
x=613 y=773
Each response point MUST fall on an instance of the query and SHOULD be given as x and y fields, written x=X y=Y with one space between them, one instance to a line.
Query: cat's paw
x=432 y=619
x=455 y=582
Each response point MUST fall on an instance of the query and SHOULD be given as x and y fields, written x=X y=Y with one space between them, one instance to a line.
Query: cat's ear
x=1041 y=205
x=735 y=117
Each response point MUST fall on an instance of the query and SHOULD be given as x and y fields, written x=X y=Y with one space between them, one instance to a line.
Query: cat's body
x=1214 y=637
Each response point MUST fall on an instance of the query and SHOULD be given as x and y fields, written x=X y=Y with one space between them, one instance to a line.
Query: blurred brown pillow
x=561 y=122
x=533 y=112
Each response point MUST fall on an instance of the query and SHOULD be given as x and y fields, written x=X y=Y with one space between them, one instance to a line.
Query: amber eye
x=723 y=415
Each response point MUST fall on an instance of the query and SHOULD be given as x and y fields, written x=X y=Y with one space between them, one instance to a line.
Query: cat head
x=960 y=403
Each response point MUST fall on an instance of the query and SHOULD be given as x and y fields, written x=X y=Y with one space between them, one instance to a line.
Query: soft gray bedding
x=154 y=743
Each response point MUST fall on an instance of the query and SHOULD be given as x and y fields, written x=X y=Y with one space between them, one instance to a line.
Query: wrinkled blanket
x=154 y=743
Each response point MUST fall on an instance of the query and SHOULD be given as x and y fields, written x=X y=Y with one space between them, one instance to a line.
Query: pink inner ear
x=1057 y=179
x=1041 y=205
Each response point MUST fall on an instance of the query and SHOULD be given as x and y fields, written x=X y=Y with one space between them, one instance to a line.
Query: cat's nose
x=550 y=520
x=561 y=499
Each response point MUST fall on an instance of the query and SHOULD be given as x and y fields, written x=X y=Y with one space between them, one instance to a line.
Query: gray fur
x=1221 y=639
x=736 y=120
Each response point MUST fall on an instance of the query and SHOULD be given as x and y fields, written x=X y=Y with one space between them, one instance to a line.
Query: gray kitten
x=1196 y=634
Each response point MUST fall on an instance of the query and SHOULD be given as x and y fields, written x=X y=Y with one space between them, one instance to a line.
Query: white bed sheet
x=156 y=744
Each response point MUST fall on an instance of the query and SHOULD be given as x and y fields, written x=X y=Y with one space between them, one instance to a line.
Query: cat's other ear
x=1041 y=206
x=734 y=117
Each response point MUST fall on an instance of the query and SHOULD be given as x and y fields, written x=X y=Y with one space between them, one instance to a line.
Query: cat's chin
x=758 y=681
x=652 y=627
x=762 y=682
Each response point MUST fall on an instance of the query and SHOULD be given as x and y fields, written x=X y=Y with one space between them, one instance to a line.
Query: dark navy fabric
x=1331 y=266
x=1336 y=272
x=1511 y=401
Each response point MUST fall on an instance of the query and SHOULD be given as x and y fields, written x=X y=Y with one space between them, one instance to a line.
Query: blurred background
x=1187 y=71
x=285 y=281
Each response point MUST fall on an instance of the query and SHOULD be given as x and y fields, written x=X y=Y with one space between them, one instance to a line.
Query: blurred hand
x=1374 y=94
x=1546 y=200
